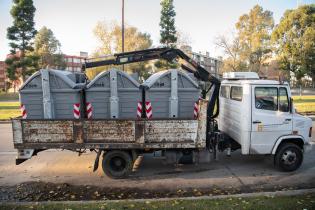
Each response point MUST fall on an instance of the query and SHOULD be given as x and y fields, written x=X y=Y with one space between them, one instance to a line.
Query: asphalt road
x=235 y=171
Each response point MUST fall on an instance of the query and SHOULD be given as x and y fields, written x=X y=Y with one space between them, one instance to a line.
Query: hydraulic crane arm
x=169 y=54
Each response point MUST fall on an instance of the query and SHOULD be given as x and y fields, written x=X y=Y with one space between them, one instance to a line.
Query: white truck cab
x=259 y=116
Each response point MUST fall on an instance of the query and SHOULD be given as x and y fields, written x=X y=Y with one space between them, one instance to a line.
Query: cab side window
x=283 y=100
x=236 y=93
x=225 y=91
x=266 y=98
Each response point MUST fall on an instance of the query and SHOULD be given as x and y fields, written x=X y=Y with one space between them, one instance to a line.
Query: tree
x=21 y=34
x=233 y=60
x=167 y=24
x=294 y=39
x=168 y=33
x=47 y=48
x=109 y=36
x=254 y=32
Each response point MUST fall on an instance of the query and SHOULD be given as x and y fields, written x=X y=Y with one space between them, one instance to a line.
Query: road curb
x=5 y=122
x=243 y=195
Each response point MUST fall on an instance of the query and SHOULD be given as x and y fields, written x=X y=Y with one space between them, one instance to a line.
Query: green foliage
x=164 y=65
x=232 y=49
x=168 y=33
x=21 y=34
x=294 y=39
x=254 y=32
x=18 y=66
x=47 y=48
x=167 y=24
x=109 y=36
x=248 y=48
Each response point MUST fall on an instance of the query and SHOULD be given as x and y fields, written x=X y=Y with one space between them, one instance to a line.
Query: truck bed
x=76 y=134
x=110 y=134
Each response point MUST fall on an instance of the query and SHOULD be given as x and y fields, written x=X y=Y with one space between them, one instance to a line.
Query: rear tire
x=289 y=157
x=117 y=164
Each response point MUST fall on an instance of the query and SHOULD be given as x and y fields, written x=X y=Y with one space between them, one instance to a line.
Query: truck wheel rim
x=117 y=164
x=288 y=157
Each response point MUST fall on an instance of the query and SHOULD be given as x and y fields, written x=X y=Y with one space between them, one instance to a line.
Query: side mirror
x=291 y=105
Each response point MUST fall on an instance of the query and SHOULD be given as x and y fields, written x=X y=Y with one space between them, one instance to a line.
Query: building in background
x=2 y=75
x=209 y=63
x=74 y=62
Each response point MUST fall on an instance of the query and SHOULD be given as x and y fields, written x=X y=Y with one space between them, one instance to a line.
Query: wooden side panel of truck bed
x=110 y=134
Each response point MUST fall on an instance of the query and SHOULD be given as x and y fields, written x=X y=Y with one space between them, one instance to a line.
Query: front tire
x=289 y=157
x=117 y=164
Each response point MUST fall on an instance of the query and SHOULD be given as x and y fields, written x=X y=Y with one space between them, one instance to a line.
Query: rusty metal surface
x=139 y=131
x=202 y=124
x=78 y=134
x=111 y=134
x=17 y=131
x=37 y=131
x=73 y=146
x=170 y=131
x=109 y=131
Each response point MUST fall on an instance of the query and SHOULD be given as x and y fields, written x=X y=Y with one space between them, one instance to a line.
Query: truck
x=241 y=111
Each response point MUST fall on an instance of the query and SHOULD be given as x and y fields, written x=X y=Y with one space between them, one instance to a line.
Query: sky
x=72 y=21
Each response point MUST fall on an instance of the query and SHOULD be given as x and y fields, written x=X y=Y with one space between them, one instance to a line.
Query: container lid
x=155 y=77
x=124 y=74
x=66 y=76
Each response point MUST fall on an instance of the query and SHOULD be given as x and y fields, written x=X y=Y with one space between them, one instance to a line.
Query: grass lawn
x=303 y=99
x=9 y=109
x=257 y=203
x=304 y=104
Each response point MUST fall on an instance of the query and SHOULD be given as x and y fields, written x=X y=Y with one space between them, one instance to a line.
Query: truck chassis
x=131 y=137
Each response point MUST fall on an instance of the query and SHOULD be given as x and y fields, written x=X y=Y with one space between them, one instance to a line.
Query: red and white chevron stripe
x=76 y=110
x=139 y=109
x=196 y=109
x=89 y=110
x=148 y=109
x=23 y=111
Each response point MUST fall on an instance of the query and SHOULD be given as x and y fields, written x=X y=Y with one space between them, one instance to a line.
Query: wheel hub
x=288 y=157
x=117 y=164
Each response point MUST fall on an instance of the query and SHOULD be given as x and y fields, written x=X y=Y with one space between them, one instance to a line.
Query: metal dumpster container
x=52 y=94
x=170 y=94
x=113 y=94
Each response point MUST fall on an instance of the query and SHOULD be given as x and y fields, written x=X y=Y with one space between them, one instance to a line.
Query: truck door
x=271 y=117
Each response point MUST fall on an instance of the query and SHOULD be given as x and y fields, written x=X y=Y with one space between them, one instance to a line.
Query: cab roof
x=254 y=82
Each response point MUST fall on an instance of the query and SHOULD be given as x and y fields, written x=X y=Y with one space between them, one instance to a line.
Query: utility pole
x=123 y=29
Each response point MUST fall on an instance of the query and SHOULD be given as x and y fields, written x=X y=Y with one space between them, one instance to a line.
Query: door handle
x=287 y=120
x=256 y=122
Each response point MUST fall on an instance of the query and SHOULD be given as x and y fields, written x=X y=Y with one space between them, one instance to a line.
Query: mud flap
x=18 y=161
x=97 y=159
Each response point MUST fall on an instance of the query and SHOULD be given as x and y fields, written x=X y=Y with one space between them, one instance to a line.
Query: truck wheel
x=289 y=157
x=117 y=164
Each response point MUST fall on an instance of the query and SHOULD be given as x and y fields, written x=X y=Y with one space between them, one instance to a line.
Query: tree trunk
x=313 y=80
x=23 y=67
x=23 y=74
